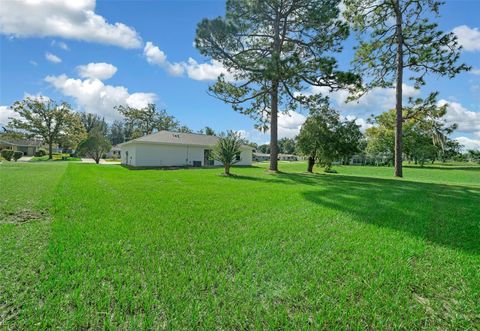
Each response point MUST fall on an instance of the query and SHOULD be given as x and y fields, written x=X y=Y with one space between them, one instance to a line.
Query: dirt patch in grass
x=23 y=216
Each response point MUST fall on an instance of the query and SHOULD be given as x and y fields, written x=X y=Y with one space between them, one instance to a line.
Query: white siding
x=163 y=155
x=130 y=152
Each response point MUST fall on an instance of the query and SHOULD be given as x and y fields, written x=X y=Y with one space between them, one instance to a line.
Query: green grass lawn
x=88 y=246
x=55 y=157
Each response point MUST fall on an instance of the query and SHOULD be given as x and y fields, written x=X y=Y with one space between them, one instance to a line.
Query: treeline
x=325 y=138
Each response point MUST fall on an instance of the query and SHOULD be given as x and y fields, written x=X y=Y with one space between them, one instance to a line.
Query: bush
x=41 y=152
x=7 y=154
x=17 y=155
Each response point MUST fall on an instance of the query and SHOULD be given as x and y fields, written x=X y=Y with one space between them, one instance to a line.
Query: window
x=237 y=157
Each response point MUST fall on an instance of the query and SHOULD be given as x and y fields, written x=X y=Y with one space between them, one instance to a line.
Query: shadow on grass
x=468 y=168
x=446 y=215
x=184 y=167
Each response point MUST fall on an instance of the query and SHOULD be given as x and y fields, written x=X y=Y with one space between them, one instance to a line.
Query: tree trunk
x=50 y=150
x=311 y=163
x=274 y=128
x=399 y=92
x=227 y=169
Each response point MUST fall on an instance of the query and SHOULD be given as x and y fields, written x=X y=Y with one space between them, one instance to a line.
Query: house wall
x=131 y=160
x=160 y=155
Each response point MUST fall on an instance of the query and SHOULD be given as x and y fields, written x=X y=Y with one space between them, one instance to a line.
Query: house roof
x=178 y=138
x=261 y=154
x=21 y=142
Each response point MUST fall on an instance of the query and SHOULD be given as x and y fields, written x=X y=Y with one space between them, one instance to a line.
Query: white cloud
x=156 y=56
x=468 y=37
x=194 y=70
x=93 y=96
x=468 y=121
x=475 y=71
x=374 y=102
x=206 y=71
x=33 y=63
x=52 y=58
x=468 y=143
x=101 y=71
x=289 y=124
x=60 y=44
x=71 y=19
x=359 y=121
x=5 y=114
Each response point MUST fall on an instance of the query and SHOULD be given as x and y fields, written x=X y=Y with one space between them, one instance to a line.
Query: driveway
x=86 y=160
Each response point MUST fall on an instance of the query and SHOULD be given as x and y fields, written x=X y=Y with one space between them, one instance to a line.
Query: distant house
x=260 y=157
x=288 y=157
x=170 y=149
x=114 y=152
x=28 y=147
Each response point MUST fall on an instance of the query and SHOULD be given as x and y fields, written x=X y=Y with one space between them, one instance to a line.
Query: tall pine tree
x=397 y=38
x=274 y=50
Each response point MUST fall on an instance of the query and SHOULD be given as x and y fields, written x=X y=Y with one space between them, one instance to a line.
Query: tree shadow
x=434 y=167
x=445 y=215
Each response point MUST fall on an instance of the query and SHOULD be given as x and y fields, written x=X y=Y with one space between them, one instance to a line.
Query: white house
x=170 y=149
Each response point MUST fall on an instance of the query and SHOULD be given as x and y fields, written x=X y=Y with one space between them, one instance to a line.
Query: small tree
x=95 y=145
x=324 y=138
x=227 y=150
x=17 y=155
x=7 y=154
x=45 y=118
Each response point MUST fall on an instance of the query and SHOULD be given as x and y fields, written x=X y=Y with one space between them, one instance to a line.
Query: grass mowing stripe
x=25 y=200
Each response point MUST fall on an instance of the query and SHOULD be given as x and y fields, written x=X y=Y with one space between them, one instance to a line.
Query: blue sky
x=141 y=51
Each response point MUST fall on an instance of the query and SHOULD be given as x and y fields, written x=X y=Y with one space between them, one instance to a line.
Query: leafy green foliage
x=43 y=117
x=286 y=145
x=95 y=146
x=425 y=133
x=17 y=155
x=7 y=154
x=41 y=152
x=325 y=138
x=93 y=121
x=227 y=151
x=147 y=120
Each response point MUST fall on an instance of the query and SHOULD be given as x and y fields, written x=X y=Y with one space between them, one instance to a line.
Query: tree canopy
x=42 y=117
x=325 y=138
x=144 y=121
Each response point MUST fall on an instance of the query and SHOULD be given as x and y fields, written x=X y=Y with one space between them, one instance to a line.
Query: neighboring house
x=260 y=157
x=114 y=153
x=288 y=157
x=28 y=147
x=171 y=149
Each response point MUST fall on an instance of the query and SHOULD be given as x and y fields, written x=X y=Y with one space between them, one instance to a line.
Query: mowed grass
x=189 y=249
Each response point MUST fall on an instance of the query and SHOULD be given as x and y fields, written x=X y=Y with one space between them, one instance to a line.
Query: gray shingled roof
x=21 y=142
x=180 y=138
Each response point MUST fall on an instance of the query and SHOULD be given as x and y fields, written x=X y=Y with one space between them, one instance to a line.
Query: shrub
x=7 y=154
x=17 y=155
x=41 y=152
